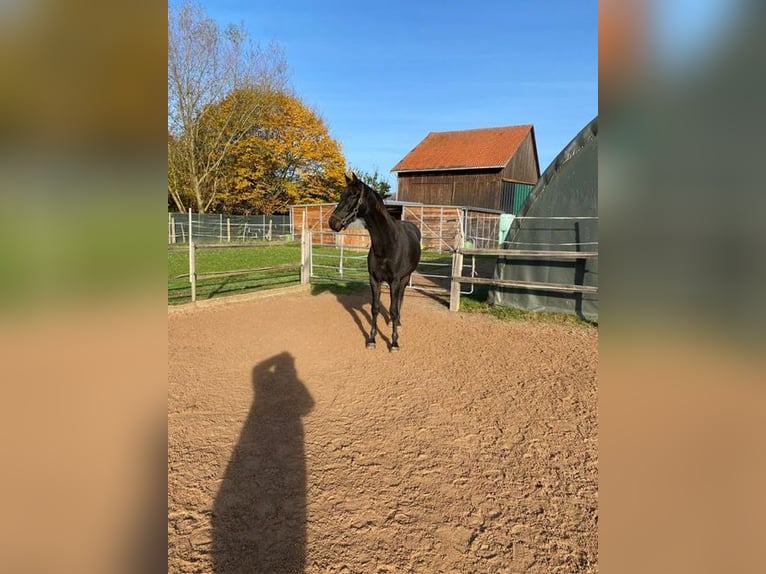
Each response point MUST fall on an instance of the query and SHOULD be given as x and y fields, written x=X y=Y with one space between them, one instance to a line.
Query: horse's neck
x=381 y=227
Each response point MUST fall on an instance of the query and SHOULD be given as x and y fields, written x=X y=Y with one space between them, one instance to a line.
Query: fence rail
x=236 y=272
x=528 y=253
x=534 y=285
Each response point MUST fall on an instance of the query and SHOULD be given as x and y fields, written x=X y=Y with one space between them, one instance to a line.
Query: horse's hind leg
x=405 y=282
x=397 y=292
x=375 y=288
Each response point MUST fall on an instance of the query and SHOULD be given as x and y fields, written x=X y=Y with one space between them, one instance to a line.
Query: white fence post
x=305 y=253
x=457 y=271
x=228 y=230
x=441 y=225
x=192 y=261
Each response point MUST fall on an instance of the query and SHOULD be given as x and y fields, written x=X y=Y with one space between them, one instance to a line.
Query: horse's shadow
x=357 y=304
x=359 y=307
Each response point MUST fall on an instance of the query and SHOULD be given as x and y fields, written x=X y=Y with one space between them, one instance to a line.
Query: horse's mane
x=374 y=192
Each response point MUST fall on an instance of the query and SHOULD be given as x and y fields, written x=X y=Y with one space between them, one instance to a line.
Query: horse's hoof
x=371 y=345
x=394 y=349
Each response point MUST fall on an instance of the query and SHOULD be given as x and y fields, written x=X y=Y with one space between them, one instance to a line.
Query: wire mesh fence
x=221 y=228
x=483 y=232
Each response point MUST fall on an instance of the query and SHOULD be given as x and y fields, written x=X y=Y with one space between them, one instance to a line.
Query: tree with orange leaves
x=287 y=158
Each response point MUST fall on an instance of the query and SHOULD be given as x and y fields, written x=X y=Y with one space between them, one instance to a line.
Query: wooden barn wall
x=472 y=188
x=522 y=167
x=438 y=225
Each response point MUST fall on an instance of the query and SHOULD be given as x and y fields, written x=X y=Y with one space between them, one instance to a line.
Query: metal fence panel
x=222 y=228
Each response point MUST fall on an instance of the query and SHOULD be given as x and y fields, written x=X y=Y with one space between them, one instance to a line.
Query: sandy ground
x=294 y=449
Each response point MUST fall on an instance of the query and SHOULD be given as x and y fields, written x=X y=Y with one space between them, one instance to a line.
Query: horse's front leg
x=375 y=288
x=397 y=293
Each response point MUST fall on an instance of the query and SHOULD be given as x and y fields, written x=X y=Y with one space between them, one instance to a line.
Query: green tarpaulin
x=559 y=215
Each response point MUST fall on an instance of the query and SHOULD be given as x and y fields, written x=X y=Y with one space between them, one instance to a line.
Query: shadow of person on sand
x=259 y=514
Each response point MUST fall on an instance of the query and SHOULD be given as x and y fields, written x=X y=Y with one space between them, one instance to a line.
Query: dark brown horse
x=395 y=250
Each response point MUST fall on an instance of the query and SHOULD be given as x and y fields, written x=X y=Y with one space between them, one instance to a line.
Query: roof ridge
x=483 y=129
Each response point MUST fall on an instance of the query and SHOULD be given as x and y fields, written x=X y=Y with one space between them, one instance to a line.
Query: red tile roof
x=470 y=149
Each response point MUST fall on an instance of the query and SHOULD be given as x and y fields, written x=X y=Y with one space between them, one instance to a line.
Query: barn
x=489 y=168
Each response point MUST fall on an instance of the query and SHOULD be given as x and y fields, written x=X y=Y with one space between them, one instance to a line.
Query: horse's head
x=353 y=204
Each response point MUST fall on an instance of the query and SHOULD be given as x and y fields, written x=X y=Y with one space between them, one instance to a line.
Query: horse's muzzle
x=335 y=223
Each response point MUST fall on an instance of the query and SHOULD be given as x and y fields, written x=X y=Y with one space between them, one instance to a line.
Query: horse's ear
x=348 y=179
x=354 y=178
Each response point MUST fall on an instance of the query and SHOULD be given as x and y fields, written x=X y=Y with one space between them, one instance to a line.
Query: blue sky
x=384 y=74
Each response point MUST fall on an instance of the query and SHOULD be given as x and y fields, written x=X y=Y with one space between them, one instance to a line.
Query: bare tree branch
x=207 y=63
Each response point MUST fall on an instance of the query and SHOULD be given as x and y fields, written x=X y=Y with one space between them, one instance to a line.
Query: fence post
x=270 y=221
x=228 y=230
x=342 y=237
x=441 y=223
x=172 y=230
x=220 y=228
x=457 y=271
x=305 y=253
x=192 y=261
x=422 y=237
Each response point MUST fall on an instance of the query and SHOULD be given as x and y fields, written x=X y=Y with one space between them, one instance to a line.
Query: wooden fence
x=457 y=247
x=461 y=251
x=193 y=275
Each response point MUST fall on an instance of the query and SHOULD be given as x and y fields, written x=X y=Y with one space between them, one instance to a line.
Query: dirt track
x=292 y=448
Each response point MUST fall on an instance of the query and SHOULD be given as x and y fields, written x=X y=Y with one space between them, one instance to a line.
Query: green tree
x=375 y=181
